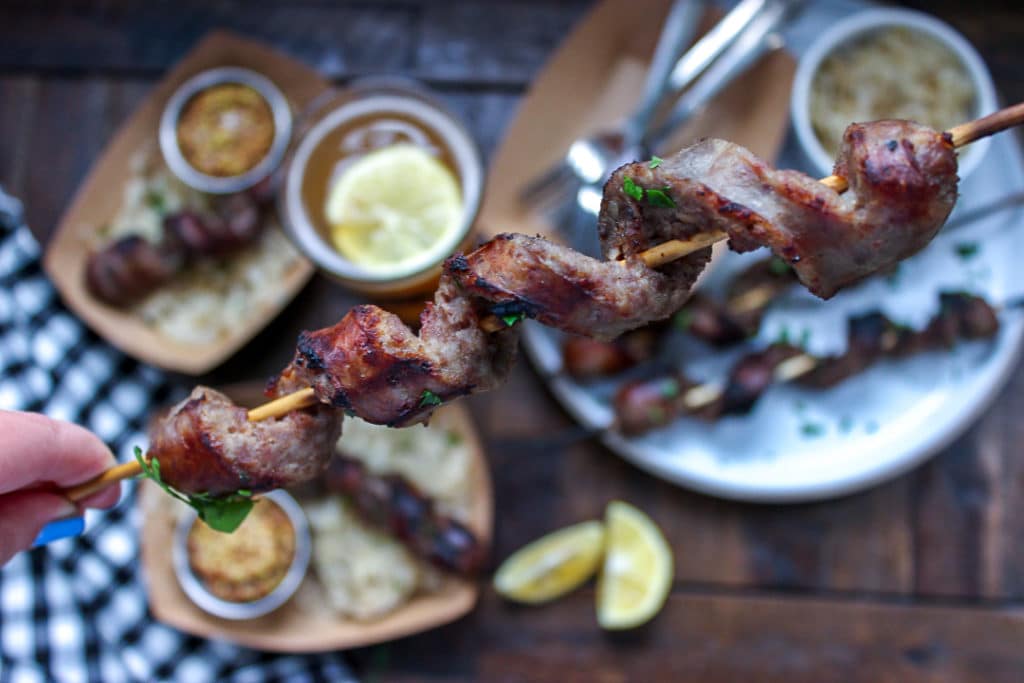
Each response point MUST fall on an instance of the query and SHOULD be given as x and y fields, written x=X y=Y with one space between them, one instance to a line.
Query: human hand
x=38 y=455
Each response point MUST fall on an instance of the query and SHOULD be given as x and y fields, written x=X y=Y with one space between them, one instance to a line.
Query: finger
x=37 y=449
x=23 y=514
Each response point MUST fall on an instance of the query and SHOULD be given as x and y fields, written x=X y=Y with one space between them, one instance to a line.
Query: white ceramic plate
x=800 y=444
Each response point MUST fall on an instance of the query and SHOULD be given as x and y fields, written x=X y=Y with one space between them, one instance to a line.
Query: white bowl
x=861 y=24
x=226 y=609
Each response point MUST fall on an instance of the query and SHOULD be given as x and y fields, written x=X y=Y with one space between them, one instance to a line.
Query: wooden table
x=918 y=579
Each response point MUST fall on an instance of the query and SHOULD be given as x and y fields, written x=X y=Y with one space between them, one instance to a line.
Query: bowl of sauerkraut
x=885 y=64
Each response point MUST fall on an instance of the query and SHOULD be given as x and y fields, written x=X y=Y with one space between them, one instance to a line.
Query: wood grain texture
x=920 y=579
x=713 y=638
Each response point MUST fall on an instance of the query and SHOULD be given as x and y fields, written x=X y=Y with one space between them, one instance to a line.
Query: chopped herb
x=656 y=415
x=893 y=278
x=655 y=162
x=429 y=398
x=783 y=337
x=845 y=423
x=967 y=250
x=511 y=319
x=660 y=198
x=812 y=429
x=632 y=189
x=155 y=201
x=777 y=266
x=805 y=338
x=669 y=388
x=800 y=405
x=220 y=513
x=683 y=319
x=454 y=439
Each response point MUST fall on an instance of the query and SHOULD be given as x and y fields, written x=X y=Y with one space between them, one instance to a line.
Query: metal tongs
x=734 y=44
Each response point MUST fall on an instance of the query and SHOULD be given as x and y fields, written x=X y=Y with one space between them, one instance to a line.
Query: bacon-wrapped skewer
x=902 y=181
x=390 y=503
x=131 y=267
x=646 y=404
x=716 y=322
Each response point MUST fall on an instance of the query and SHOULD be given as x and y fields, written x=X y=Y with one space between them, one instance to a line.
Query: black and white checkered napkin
x=75 y=610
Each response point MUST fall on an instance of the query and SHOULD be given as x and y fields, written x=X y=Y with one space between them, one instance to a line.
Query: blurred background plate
x=800 y=444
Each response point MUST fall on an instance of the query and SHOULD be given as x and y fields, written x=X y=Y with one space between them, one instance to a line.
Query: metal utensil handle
x=713 y=43
x=759 y=38
x=678 y=30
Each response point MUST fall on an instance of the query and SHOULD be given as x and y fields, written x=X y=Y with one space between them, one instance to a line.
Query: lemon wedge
x=552 y=565
x=637 y=572
x=393 y=208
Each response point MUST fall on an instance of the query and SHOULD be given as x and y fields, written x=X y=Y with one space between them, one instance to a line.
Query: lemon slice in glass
x=393 y=208
x=552 y=565
x=637 y=572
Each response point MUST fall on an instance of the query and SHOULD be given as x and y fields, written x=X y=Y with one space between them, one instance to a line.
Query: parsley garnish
x=683 y=319
x=654 y=197
x=429 y=398
x=660 y=198
x=777 y=266
x=812 y=429
x=632 y=189
x=783 y=337
x=220 y=513
x=893 y=278
x=669 y=388
x=655 y=162
x=657 y=415
x=967 y=250
x=511 y=319
x=156 y=201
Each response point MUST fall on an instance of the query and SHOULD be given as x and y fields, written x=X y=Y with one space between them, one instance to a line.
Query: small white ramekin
x=861 y=24
x=168 y=133
x=226 y=609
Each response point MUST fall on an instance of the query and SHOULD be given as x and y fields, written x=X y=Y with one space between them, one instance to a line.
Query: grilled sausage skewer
x=392 y=504
x=903 y=180
x=642 y=405
x=714 y=322
x=903 y=186
x=131 y=267
x=959 y=136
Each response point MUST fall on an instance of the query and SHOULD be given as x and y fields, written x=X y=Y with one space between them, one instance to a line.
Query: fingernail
x=58 y=529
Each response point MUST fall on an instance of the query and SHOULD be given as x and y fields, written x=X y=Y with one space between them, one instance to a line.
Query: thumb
x=22 y=516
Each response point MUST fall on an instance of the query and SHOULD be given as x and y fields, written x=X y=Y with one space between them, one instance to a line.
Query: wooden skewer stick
x=675 y=249
x=82 y=491
x=303 y=398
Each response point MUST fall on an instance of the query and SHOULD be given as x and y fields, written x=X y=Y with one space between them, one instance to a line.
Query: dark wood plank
x=491 y=42
x=147 y=38
x=715 y=638
x=72 y=121
x=468 y=42
x=18 y=105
